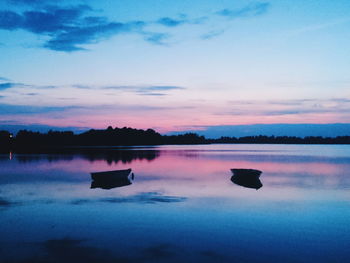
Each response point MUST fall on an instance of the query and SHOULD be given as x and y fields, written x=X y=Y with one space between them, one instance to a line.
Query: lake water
x=181 y=206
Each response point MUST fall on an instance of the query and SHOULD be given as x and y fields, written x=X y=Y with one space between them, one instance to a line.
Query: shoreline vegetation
x=110 y=137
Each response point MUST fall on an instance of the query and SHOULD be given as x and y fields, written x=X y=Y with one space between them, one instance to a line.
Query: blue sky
x=174 y=65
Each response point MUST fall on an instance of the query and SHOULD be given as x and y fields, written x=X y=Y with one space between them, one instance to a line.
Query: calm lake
x=181 y=205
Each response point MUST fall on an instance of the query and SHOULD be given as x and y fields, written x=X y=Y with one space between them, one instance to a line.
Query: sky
x=174 y=65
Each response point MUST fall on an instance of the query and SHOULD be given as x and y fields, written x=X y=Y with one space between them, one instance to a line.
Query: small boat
x=112 y=179
x=247 y=178
x=246 y=172
x=111 y=175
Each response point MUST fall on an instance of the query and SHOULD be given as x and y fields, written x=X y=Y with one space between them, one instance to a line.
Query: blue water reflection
x=180 y=207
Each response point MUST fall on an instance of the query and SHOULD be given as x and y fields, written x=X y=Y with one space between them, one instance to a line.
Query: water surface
x=181 y=205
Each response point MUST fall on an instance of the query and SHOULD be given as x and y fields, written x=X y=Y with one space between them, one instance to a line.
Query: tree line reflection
x=110 y=156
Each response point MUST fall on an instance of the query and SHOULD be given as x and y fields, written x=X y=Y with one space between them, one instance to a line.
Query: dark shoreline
x=112 y=139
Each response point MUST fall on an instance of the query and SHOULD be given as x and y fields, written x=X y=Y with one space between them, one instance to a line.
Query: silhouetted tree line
x=128 y=136
x=28 y=140
x=187 y=138
x=283 y=140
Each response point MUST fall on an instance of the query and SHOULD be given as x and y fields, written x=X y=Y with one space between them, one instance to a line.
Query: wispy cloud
x=254 y=9
x=212 y=34
x=6 y=85
x=154 y=94
x=288 y=107
x=72 y=39
x=8 y=109
x=181 y=20
x=171 y=22
x=156 y=38
x=317 y=27
x=31 y=2
x=12 y=85
x=146 y=90
x=71 y=28
x=68 y=28
x=158 y=88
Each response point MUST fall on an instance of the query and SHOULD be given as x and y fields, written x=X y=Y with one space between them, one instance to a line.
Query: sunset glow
x=176 y=66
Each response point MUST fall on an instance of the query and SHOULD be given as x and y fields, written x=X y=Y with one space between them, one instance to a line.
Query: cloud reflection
x=144 y=198
x=70 y=251
x=4 y=203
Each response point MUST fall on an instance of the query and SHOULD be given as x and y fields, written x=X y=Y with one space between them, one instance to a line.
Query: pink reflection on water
x=182 y=165
x=192 y=174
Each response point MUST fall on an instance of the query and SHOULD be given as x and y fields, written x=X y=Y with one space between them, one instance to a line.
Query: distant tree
x=5 y=140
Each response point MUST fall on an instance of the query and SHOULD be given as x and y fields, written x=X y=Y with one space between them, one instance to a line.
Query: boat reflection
x=112 y=179
x=247 y=182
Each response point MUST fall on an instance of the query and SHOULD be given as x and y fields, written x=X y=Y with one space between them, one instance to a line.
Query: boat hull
x=111 y=175
x=112 y=179
x=246 y=172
